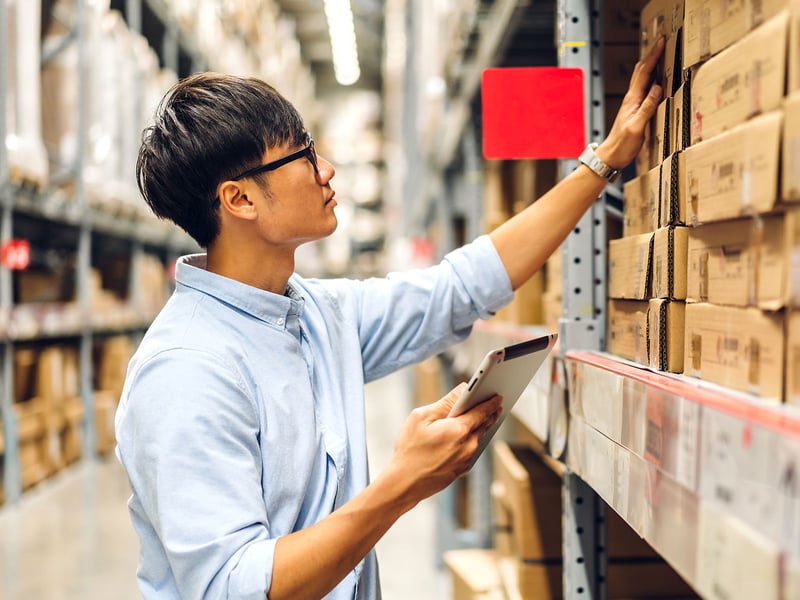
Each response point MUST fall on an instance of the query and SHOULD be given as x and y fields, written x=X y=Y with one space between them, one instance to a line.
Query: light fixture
x=343 y=41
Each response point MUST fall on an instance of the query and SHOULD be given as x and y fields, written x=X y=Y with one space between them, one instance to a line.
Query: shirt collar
x=190 y=271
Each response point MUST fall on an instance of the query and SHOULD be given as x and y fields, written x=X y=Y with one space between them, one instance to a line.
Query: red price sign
x=16 y=255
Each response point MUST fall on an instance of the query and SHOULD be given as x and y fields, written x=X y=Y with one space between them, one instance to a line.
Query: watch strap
x=589 y=158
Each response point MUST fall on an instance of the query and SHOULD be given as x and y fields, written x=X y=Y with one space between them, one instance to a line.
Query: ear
x=233 y=199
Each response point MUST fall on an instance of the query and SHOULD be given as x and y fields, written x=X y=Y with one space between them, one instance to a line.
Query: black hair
x=208 y=128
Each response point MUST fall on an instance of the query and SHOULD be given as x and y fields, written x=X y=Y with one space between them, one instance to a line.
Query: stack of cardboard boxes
x=509 y=187
x=50 y=411
x=701 y=281
x=527 y=562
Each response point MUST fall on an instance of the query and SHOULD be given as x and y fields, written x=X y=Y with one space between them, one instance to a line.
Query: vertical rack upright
x=582 y=325
x=11 y=472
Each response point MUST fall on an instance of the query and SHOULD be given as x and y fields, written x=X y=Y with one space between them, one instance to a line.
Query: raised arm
x=431 y=451
x=526 y=241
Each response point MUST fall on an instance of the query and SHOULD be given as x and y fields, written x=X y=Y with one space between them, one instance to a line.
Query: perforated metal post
x=584 y=297
x=12 y=477
x=84 y=239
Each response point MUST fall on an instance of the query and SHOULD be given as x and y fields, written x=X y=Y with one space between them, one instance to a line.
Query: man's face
x=299 y=201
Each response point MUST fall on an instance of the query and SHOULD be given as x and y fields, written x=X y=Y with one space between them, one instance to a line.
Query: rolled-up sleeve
x=193 y=459
x=409 y=316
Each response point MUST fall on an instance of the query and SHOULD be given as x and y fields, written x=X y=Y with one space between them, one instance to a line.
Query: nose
x=325 y=171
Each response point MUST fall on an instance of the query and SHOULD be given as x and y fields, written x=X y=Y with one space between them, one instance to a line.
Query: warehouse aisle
x=70 y=538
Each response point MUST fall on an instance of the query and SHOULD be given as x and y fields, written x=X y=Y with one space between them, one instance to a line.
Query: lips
x=331 y=199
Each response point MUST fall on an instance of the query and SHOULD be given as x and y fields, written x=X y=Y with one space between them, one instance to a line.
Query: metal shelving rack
x=53 y=207
x=582 y=325
x=707 y=476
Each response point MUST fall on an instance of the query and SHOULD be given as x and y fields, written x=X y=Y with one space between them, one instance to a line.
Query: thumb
x=445 y=404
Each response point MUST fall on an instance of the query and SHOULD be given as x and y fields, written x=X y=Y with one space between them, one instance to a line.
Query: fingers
x=484 y=415
x=648 y=107
x=643 y=73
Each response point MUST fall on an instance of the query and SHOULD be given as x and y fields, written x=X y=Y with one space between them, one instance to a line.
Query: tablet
x=505 y=371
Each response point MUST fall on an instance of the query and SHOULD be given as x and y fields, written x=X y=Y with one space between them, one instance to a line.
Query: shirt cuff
x=480 y=269
x=252 y=576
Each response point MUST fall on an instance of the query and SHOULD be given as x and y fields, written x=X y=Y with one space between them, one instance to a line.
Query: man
x=241 y=425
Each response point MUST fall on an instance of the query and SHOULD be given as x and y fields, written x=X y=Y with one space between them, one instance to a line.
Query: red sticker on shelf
x=16 y=255
x=532 y=113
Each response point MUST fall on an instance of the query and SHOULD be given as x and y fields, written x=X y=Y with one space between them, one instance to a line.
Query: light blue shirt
x=242 y=417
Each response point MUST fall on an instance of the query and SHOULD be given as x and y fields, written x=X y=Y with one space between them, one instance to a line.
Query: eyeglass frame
x=308 y=152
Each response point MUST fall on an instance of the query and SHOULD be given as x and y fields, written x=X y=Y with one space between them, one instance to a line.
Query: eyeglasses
x=307 y=152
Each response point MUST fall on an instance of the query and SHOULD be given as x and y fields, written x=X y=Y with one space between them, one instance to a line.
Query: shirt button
x=280 y=321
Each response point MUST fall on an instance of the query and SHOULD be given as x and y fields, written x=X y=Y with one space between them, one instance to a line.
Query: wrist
x=606 y=154
x=595 y=158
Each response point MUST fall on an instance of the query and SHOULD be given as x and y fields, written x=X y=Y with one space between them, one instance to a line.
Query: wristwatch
x=597 y=166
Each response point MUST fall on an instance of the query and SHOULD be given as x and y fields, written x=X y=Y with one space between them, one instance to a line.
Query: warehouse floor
x=70 y=538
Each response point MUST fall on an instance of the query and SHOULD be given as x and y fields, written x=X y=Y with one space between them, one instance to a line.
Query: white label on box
x=688 y=445
x=600 y=463
x=788 y=496
x=602 y=401
x=724 y=547
x=759 y=480
x=719 y=470
x=622 y=470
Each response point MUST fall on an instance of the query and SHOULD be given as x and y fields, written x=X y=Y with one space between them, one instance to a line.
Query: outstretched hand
x=432 y=449
x=626 y=136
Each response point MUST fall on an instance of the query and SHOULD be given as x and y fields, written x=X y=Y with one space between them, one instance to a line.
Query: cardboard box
x=721 y=263
x=661 y=131
x=665 y=330
x=736 y=173
x=554 y=273
x=642 y=197
x=679 y=117
x=660 y=17
x=672 y=209
x=669 y=263
x=24 y=374
x=116 y=353
x=747 y=262
x=740 y=348
x=793 y=67
x=711 y=26
x=747 y=79
x=474 y=574
x=32 y=441
x=528 y=493
x=529 y=580
x=72 y=438
x=105 y=406
x=526 y=307
x=777 y=243
x=792 y=393
x=50 y=375
x=626 y=334
x=673 y=63
x=629 y=266
x=552 y=309
x=790 y=155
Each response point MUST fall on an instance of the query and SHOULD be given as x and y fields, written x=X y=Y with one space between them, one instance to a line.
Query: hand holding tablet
x=505 y=372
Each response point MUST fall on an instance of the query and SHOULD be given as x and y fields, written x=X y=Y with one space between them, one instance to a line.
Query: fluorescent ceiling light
x=343 y=41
